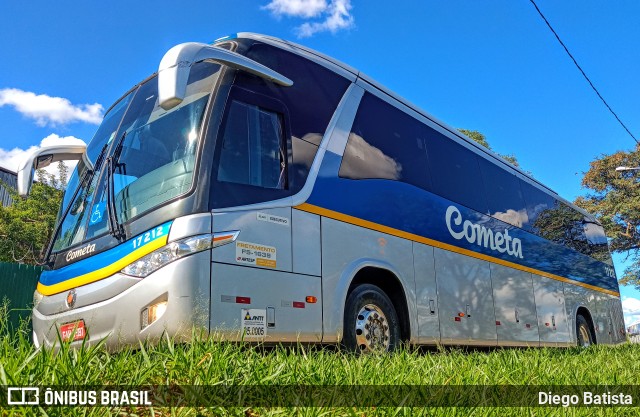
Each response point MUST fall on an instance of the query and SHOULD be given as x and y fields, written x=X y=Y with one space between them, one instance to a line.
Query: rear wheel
x=370 y=321
x=583 y=331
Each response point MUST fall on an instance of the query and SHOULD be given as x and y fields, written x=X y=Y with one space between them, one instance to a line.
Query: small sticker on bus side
x=283 y=221
x=256 y=254
x=254 y=323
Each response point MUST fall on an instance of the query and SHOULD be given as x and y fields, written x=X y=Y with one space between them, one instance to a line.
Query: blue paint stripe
x=103 y=259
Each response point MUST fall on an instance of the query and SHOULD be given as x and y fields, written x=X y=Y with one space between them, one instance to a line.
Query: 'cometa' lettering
x=482 y=236
x=73 y=254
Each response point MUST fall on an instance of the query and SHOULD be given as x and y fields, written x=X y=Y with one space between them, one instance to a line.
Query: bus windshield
x=152 y=154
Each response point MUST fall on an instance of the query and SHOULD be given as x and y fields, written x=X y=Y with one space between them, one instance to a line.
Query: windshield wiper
x=115 y=228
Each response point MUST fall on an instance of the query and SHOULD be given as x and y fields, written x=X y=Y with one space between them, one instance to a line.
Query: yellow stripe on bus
x=104 y=272
x=310 y=208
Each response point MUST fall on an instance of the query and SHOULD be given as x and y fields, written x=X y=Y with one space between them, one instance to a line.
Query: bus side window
x=597 y=240
x=385 y=143
x=252 y=158
x=455 y=171
x=538 y=202
x=311 y=101
x=504 y=196
x=253 y=149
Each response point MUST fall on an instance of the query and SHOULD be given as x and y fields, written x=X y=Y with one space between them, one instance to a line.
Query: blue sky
x=490 y=66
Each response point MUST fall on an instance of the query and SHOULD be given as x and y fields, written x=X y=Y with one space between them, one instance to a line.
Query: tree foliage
x=26 y=225
x=482 y=140
x=614 y=197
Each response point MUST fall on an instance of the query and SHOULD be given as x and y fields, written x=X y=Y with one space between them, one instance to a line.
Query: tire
x=583 y=332
x=371 y=323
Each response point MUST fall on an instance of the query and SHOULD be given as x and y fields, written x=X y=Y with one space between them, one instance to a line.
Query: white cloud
x=297 y=8
x=336 y=14
x=10 y=159
x=631 y=310
x=47 y=110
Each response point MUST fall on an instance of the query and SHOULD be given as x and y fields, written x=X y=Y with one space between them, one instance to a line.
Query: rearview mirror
x=173 y=72
x=43 y=157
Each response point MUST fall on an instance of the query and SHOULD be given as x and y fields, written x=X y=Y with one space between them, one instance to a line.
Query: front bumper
x=184 y=284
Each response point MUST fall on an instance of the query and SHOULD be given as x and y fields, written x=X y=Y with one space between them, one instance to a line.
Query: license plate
x=73 y=331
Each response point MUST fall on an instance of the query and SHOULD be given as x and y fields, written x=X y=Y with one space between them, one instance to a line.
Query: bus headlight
x=176 y=250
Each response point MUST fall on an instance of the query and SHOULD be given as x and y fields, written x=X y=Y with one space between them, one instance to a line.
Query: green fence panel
x=17 y=284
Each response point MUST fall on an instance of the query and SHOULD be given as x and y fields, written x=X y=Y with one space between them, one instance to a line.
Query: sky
x=491 y=66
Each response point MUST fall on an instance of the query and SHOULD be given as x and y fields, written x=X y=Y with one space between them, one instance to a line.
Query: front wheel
x=585 y=338
x=370 y=321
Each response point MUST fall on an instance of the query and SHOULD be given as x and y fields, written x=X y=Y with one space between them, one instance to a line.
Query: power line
x=583 y=73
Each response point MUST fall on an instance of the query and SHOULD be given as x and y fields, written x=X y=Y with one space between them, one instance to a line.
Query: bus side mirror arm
x=43 y=157
x=173 y=72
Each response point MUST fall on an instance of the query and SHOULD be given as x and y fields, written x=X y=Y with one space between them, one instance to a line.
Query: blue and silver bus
x=259 y=190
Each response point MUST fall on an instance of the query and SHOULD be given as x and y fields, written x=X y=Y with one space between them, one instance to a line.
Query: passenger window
x=253 y=148
x=537 y=202
x=504 y=196
x=455 y=171
x=563 y=225
x=385 y=144
x=252 y=161
x=597 y=240
x=311 y=100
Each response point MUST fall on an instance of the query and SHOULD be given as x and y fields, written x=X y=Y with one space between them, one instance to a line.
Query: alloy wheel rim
x=584 y=333
x=372 y=329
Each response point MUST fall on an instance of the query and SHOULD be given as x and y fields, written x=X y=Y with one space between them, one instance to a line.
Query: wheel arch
x=584 y=312
x=385 y=278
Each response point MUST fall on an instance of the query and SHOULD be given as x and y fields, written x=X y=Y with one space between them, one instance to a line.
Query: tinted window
x=385 y=143
x=311 y=100
x=454 y=171
x=537 y=202
x=252 y=157
x=563 y=225
x=253 y=150
x=597 y=241
x=303 y=154
x=503 y=193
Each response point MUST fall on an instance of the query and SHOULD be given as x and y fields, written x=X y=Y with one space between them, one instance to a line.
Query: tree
x=614 y=197
x=26 y=225
x=482 y=140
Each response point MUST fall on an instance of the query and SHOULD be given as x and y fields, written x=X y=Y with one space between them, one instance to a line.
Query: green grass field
x=208 y=362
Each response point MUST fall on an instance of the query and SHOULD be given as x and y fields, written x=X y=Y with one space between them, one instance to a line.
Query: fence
x=17 y=283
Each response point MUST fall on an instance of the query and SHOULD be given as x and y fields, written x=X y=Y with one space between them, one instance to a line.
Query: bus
x=261 y=191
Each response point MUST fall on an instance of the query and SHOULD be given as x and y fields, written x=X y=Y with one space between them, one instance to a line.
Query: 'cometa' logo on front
x=482 y=236
x=73 y=254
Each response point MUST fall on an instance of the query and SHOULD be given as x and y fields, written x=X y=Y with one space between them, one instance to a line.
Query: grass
x=209 y=362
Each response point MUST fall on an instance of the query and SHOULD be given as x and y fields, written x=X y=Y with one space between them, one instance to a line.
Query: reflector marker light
x=311 y=299
x=243 y=300
x=298 y=304
x=457 y=318
x=223 y=238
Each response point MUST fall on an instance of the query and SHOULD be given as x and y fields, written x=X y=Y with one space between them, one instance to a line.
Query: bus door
x=253 y=282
